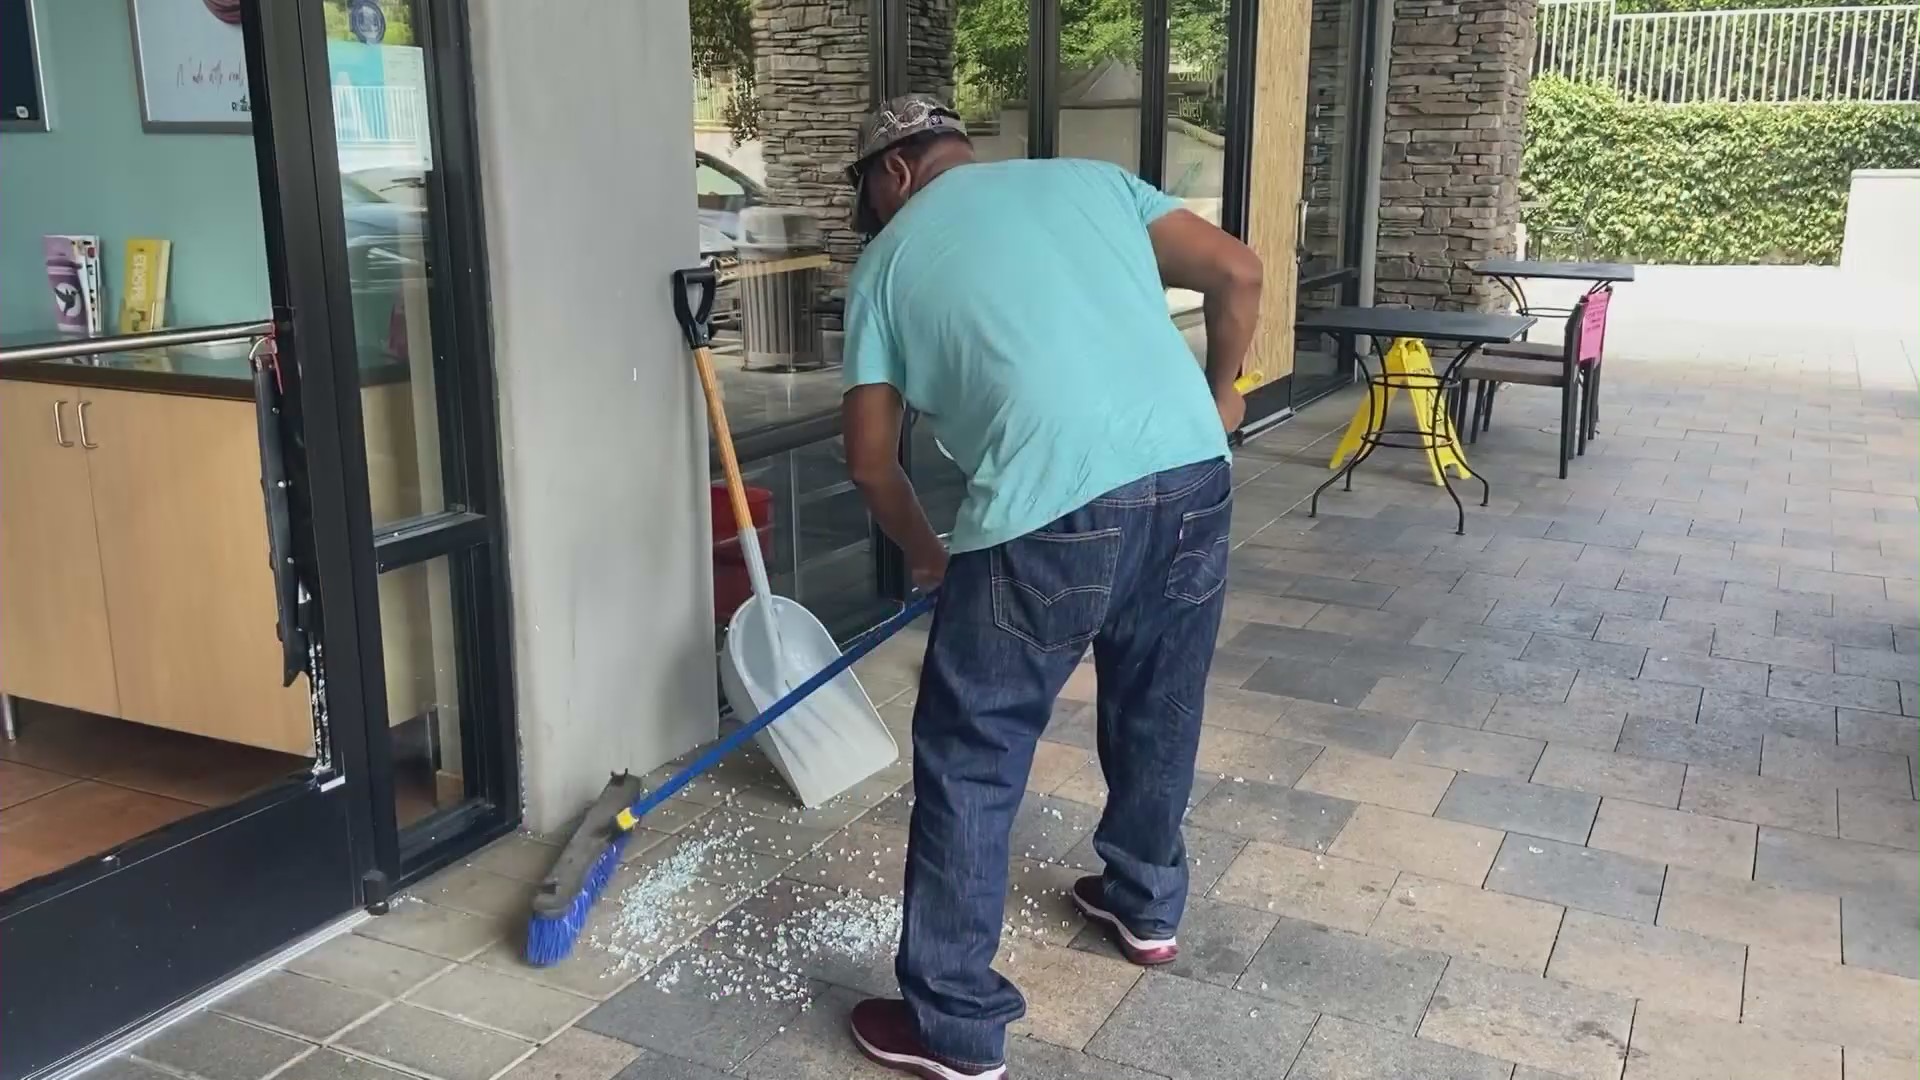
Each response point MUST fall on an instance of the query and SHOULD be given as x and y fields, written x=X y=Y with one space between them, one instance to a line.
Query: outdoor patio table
x=1470 y=330
x=1510 y=272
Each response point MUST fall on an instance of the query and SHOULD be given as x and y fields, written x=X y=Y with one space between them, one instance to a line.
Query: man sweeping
x=1019 y=307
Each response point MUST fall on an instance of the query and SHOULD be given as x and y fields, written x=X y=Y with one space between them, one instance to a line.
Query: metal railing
x=1777 y=55
x=118 y=343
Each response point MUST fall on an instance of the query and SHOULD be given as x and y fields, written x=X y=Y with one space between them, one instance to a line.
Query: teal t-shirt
x=1017 y=306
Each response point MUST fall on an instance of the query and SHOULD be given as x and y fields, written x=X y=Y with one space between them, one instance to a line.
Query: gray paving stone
x=1849 y=691
x=1312 y=681
x=219 y=1048
x=1356 y=729
x=1343 y=1050
x=1635 y=697
x=1421 y=700
x=126 y=1068
x=1665 y=968
x=365 y=964
x=654 y=1066
x=1346 y=975
x=686 y=1022
x=1764 y=800
x=1030 y=1058
x=1622 y=661
x=1367 y=623
x=1433 y=600
x=1856 y=632
x=1275 y=814
x=1336 y=591
x=1691 y=586
x=1888 y=820
x=499 y=1001
x=298 y=1005
x=1704 y=671
x=1466 y=750
x=1578 y=877
x=1801 y=719
x=1047 y=828
x=1577 y=768
x=1879 y=731
x=1668 y=637
x=1500 y=587
x=1540 y=1022
x=1580 y=725
x=330 y=1064
x=1570 y=621
x=576 y=1055
x=1877 y=663
x=1195 y=1031
x=1472 y=638
x=1881 y=934
x=1610 y=602
x=1289 y=642
x=1730 y=749
x=1845 y=767
x=1746 y=620
x=1384 y=659
x=1844 y=868
x=1511 y=805
x=1217 y=940
x=1513 y=678
x=1769 y=649
x=1783 y=600
x=430 y=928
x=433 y=1045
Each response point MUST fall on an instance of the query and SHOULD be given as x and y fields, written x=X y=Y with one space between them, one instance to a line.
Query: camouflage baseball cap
x=901 y=118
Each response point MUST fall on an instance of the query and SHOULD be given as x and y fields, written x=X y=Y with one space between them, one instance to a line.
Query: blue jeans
x=1139 y=573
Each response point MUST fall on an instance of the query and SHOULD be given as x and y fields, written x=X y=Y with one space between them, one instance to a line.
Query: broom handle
x=728 y=745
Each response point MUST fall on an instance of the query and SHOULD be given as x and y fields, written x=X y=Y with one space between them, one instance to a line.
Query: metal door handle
x=86 y=443
x=59 y=428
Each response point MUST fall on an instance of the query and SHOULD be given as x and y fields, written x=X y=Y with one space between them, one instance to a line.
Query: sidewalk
x=1622 y=780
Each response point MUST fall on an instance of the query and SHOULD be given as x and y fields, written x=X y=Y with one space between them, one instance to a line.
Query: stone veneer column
x=1450 y=169
x=810 y=66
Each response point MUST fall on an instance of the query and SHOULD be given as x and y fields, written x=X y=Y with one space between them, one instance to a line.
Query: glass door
x=1327 y=252
x=183 y=772
x=394 y=150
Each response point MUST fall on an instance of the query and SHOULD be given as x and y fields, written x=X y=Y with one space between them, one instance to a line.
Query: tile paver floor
x=1619 y=783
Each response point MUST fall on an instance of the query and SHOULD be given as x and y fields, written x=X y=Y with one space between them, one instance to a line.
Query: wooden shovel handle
x=717 y=417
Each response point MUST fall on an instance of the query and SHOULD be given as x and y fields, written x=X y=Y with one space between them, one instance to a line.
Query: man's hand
x=1233 y=409
x=928 y=567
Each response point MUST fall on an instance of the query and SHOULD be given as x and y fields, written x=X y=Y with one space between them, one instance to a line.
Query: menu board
x=23 y=102
x=191 y=64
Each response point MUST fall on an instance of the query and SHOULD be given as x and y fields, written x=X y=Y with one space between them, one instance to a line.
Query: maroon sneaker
x=1146 y=952
x=884 y=1032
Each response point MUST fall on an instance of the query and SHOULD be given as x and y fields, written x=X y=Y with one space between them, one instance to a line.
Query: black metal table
x=1510 y=272
x=1470 y=330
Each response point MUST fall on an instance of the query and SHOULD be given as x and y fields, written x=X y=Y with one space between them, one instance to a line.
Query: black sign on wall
x=23 y=98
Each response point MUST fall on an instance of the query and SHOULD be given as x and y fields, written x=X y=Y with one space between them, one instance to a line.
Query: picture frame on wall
x=190 y=66
x=23 y=83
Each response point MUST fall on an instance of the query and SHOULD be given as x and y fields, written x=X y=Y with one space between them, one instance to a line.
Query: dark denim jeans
x=1138 y=573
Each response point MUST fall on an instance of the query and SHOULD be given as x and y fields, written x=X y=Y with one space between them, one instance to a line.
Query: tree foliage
x=723 y=54
x=1706 y=184
x=990 y=41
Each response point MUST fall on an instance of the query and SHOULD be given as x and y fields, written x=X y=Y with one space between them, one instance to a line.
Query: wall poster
x=190 y=65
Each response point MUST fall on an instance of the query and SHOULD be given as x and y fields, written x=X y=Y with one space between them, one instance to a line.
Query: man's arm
x=870 y=424
x=1194 y=254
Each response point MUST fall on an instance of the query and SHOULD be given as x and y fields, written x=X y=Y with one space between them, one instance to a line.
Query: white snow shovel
x=834 y=738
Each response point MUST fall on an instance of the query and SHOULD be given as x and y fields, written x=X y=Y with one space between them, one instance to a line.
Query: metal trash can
x=781 y=256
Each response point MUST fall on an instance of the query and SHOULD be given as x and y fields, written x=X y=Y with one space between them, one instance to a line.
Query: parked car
x=722 y=191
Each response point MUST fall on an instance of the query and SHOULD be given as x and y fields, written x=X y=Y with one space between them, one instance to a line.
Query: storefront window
x=977 y=54
x=1100 y=84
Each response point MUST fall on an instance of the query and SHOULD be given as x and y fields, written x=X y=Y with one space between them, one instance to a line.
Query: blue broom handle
x=708 y=760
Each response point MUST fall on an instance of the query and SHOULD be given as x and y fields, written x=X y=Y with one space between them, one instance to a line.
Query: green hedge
x=1719 y=184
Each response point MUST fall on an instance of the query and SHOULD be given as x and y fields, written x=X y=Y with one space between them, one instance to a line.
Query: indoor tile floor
x=1621 y=783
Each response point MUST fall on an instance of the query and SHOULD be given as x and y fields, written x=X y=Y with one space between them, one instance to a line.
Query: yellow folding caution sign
x=1407 y=357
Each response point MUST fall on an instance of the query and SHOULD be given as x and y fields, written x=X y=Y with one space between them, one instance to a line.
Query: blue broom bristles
x=550 y=937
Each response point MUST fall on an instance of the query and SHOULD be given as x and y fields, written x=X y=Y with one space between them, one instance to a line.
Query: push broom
x=819 y=760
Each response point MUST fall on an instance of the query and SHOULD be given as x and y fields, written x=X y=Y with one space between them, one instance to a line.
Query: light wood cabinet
x=54 y=641
x=177 y=537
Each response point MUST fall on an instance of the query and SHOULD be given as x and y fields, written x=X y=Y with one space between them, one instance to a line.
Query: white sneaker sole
x=1134 y=943
x=924 y=1066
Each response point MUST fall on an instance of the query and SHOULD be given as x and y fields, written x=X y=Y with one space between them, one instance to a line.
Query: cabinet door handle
x=86 y=443
x=59 y=427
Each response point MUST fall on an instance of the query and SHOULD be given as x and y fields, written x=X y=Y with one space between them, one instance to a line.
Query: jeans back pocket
x=1199 y=568
x=1051 y=590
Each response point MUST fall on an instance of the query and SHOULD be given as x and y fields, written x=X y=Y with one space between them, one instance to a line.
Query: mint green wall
x=98 y=172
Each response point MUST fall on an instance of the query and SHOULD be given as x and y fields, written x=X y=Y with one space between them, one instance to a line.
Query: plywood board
x=1278 y=132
